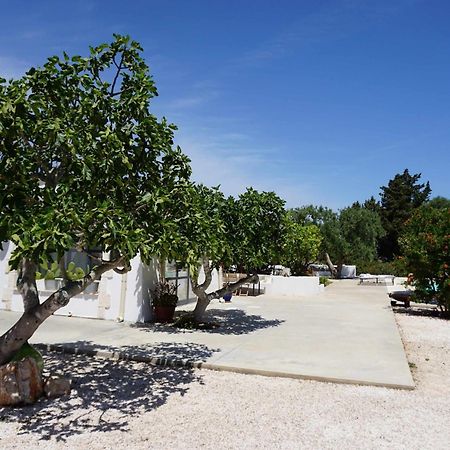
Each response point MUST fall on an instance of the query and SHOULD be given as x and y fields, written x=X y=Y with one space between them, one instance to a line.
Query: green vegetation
x=246 y=232
x=48 y=271
x=377 y=267
x=83 y=164
x=399 y=199
x=425 y=242
x=164 y=293
x=27 y=351
x=301 y=246
x=348 y=236
x=325 y=281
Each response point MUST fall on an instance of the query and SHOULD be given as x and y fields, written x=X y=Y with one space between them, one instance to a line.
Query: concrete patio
x=346 y=334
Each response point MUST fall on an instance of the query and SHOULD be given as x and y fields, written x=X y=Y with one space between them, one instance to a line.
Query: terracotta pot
x=163 y=314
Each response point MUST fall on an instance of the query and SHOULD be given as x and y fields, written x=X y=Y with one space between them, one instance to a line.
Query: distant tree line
x=405 y=231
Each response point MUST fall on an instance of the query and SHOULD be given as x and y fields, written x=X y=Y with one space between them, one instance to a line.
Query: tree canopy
x=246 y=232
x=347 y=237
x=84 y=165
x=301 y=246
x=425 y=241
x=439 y=202
x=79 y=150
x=399 y=199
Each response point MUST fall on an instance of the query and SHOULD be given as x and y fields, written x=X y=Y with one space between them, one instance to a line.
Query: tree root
x=188 y=322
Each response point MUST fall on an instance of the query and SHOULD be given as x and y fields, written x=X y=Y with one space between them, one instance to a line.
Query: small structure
x=376 y=278
x=116 y=296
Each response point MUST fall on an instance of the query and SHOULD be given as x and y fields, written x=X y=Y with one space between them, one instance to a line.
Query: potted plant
x=164 y=301
x=52 y=276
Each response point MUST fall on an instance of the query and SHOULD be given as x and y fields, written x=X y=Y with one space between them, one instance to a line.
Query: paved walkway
x=347 y=334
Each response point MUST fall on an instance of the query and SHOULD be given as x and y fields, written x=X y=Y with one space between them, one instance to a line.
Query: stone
x=20 y=382
x=57 y=386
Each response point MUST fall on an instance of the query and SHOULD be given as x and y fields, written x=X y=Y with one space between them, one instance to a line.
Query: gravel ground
x=118 y=405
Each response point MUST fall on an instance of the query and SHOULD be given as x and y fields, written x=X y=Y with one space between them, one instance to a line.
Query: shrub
x=325 y=281
x=425 y=244
x=377 y=267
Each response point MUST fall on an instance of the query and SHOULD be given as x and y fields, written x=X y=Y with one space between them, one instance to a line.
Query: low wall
x=291 y=286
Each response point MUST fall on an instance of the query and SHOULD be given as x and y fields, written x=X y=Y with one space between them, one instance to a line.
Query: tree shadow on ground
x=106 y=393
x=422 y=311
x=230 y=321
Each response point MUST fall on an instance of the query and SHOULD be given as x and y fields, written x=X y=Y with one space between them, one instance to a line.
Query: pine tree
x=399 y=199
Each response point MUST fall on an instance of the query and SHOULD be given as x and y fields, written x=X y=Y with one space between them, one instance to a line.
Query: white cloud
x=330 y=23
x=191 y=101
x=233 y=161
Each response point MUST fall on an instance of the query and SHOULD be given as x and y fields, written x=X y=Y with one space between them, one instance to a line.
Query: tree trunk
x=204 y=299
x=200 y=291
x=339 y=270
x=200 y=307
x=26 y=284
x=36 y=313
x=330 y=265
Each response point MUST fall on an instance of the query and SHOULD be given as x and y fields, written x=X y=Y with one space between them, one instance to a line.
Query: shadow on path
x=422 y=311
x=106 y=393
x=231 y=321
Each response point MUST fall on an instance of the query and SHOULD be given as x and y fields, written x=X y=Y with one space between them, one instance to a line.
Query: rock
x=28 y=351
x=20 y=382
x=56 y=386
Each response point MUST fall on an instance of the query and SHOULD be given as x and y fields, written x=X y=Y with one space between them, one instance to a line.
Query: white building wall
x=291 y=286
x=139 y=280
x=119 y=296
x=215 y=282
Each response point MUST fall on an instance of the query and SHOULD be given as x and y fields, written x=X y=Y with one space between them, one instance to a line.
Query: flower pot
x=163 y=314
x=227 y=297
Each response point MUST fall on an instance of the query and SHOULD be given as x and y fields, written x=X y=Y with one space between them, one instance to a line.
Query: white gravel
x=122 y=405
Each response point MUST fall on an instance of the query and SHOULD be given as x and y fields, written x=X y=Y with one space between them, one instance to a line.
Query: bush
x=325 y=281
x=425 y=242
x=377 y=267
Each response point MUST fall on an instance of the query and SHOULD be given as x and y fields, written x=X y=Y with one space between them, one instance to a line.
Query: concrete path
x=347 y=334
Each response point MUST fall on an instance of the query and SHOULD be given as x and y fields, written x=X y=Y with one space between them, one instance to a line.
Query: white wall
x=140 y=279
x=124 y=297
x=291 y=286
x=215 y=282
x=6 y=281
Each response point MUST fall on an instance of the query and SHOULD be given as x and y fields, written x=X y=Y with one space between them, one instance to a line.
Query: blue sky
x=320 y=101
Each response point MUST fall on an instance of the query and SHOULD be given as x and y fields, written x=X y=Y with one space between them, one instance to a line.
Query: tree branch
x=233 y=286
x=33 y=317
x=119 y=68
x=208 y=274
